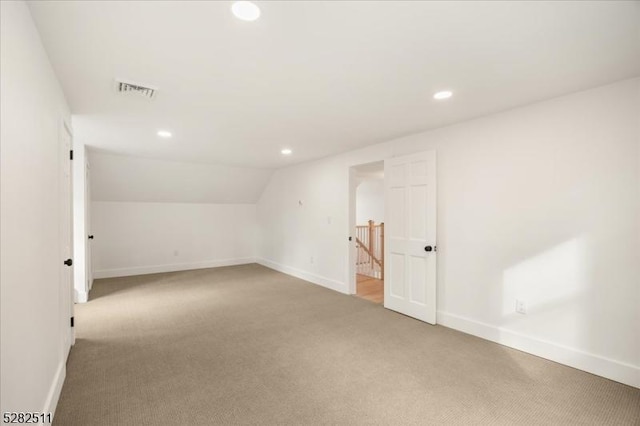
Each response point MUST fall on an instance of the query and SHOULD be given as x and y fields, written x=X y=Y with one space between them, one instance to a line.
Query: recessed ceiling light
x=445 y=94
x=286 y=151
x=245 y=10
x=164 y=134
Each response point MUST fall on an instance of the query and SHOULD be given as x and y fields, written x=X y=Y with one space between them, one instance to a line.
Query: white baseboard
x=615 y=370
x=307 y=276
x=143 y=270
x=81 y=296
x=54 y=390
x=595 y=364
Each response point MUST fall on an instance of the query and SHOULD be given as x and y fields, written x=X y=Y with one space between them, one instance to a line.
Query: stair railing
x=370 y=249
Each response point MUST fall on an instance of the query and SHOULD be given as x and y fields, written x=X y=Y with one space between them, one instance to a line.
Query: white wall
x=139 y=238
x=539 y=203
x=144 y=210
x=32 y=112
x=370 y=201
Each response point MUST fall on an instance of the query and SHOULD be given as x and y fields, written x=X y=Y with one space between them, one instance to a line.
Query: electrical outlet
x=311 y=260
x=175 y=252
x=521 y=306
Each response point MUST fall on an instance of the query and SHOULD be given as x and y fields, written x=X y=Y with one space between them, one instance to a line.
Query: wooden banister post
x=371 y=240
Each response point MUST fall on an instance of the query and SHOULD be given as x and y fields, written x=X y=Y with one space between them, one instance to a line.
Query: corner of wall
x=307 y=276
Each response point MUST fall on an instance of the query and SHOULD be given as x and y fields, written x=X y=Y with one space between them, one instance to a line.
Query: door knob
x=428 y=248
x=68 y=262
x=91 y=237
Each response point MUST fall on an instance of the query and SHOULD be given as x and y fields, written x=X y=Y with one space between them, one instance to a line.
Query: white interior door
x=410 y=235
x=66 y=239
x=87 y=221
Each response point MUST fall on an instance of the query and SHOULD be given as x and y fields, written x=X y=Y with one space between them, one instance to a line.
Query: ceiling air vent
x=135 y=89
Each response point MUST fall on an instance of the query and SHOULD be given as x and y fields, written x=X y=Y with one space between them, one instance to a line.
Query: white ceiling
x=319 y=77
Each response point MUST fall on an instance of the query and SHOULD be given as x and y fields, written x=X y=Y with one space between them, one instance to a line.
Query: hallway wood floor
x=371 y=289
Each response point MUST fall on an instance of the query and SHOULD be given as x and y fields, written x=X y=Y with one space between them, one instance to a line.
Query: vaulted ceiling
x=318 y=77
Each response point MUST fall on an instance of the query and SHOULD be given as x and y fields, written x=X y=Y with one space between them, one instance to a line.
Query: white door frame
x=351 y=231
x=352 y=183
x=87 y=220
x=66 y=241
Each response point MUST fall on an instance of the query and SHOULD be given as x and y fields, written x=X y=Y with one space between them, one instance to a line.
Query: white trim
x=54 y=391
x=67 y=127
x=352 y=185
x=155 y=269
x=307 y=276
x=81 y=296
x=595 y=364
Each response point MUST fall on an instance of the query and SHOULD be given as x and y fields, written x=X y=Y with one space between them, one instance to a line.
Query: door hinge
x=71 y=155
x=72 y=323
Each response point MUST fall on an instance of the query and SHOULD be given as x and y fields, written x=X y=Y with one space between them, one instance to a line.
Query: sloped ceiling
x=131 y=179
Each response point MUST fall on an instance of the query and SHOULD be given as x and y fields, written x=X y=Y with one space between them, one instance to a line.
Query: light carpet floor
x=248 y=345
